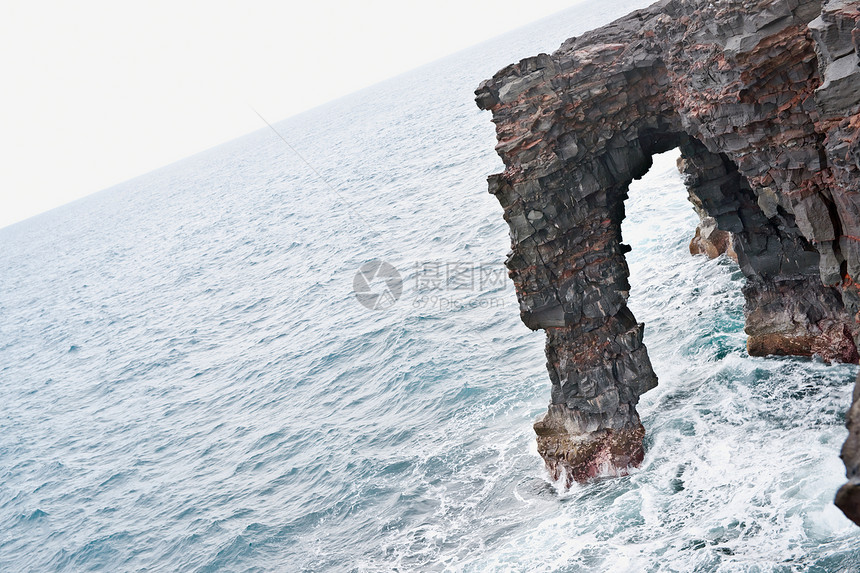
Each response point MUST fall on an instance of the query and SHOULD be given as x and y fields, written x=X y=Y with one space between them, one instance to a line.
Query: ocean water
x=189 y=382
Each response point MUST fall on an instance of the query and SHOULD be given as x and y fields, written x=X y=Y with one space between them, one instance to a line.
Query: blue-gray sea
x=189 y=383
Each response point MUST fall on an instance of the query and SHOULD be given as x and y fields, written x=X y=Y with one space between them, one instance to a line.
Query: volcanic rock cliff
x=761 y=97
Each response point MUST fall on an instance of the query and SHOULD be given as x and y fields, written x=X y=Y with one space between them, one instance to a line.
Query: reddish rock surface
x=712 y=242
x=761 y=97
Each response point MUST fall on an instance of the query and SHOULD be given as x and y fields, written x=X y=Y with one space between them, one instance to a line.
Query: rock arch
x=759 y=99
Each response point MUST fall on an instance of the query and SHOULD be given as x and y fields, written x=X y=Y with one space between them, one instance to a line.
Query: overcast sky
x=95 y=93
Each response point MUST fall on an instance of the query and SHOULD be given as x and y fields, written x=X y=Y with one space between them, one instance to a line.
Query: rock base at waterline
x=580 y=456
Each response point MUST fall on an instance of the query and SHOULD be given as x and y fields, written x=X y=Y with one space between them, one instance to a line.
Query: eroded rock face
x=761 y=97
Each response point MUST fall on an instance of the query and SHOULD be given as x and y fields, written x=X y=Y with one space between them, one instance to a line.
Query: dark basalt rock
x=761 y=97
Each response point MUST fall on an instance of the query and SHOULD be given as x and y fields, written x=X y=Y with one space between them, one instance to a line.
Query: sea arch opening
x=685 y=283
x=596 y=357
x=574 y=284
